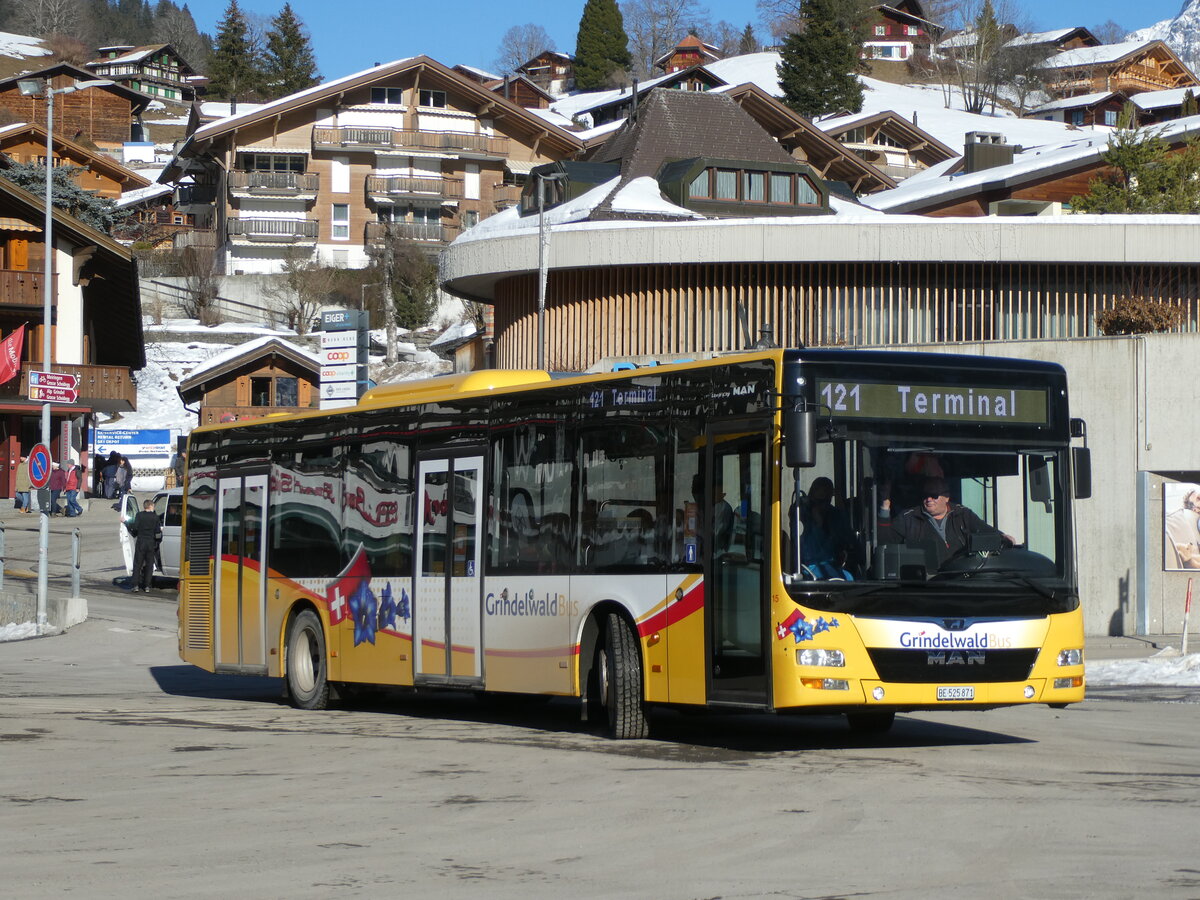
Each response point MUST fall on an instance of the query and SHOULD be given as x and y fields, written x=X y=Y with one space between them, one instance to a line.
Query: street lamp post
x=543 y=252
x=36 y=87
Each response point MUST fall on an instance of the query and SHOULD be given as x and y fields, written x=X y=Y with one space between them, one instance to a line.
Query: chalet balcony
x=505 y=196
x=395 y=187
x=288 y=185
x=21 y=288
x=272 y=231
x=212 y=415
x=200 y=238
x=412 y=231
x=106 y=388
x=397 y=139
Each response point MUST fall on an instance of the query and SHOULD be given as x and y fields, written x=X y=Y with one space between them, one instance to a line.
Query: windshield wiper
x=1013 y=575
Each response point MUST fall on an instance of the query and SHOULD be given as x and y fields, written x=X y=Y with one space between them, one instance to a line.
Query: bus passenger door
x=738 y=540
x=446 y=602
x=241 y=583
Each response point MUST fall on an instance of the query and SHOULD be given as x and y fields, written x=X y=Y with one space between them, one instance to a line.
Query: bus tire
x=619 y=677
x=307 y=669
x=871 y=722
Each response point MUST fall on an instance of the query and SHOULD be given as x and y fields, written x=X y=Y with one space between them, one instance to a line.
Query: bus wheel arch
x=306 y=659
x=612 y=672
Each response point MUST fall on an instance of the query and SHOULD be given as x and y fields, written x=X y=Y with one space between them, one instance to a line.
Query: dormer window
x=387 y=96
x=748 y=186
x=433 y=99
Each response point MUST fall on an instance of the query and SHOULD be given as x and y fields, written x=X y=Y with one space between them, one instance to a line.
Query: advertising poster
x=1181 y=526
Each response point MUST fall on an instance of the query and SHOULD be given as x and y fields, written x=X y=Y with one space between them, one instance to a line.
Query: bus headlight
x=1070 y=657
x=814 y=657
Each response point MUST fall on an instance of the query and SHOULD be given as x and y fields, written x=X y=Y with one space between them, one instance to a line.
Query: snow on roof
x=22 y=45
x=1072 y=102
x=934 y=183
x=212 y=126
x=600 y=130
x=574 y=104
x=489 y=76
x=1039 y=37
x=134 y=56
x=1159 y=99
x=642 y=195
x=129 y=198
x=455 y=334
x=1093 y=56
x=212 y=109
x=551 y=116
x=512 y=220
x=246 y=349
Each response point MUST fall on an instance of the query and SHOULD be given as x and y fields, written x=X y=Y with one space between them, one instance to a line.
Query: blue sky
x=349 y=35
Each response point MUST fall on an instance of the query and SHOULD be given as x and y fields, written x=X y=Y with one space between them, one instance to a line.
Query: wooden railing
x=21 y=288
x=199 y=237
x=446 y=188
x=210 y=415
x=285 y=184
x=109 y=388
x=401 y=139
x=506 y=195
x=413 y=231
x=274 y=230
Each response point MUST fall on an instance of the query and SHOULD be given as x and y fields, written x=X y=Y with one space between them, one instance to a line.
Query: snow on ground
x=22 y=45
x=18 y=632
x=1167 y=667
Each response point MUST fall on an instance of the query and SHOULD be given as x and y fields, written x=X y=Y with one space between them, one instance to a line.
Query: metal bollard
x=76 y=554
x=2 y=557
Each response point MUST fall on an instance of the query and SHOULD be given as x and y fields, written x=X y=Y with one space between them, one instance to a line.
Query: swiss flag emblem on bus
x=340 y=591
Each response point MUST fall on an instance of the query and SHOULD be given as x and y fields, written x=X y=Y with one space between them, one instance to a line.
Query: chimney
x=986 y=150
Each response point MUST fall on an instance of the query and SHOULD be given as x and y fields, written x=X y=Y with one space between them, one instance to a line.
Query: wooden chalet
x=896 y=32
x=691 y=51
x=96 y=331
x=613 y=106
x=267 y=375
x=107 y=115
x=552 y=71
x=1102 y=110
x=518 y=88
x=153 y=217
x=157 y=70
x=98 y=172
x=1131 y=67
x=1058 y=41
x=889 y=142
x=1164 y=106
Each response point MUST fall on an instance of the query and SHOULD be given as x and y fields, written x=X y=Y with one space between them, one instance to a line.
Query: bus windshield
x=942 y=529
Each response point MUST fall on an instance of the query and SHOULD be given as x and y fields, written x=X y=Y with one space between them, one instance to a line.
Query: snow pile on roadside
x=1167 y=667
x=18 y=632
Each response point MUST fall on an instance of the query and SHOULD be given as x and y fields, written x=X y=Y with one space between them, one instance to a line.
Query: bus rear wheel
x=871 y=722
x=619 y=681
x=307 y=681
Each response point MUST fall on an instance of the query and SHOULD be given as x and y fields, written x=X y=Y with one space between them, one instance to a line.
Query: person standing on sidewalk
x=74 y=476
x=58 y=482
x=147 y=532
x=24 y=486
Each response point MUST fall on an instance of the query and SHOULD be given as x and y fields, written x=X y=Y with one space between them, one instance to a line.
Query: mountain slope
x=1181 y=34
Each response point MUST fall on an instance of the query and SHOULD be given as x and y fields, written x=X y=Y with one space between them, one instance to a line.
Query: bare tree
x=725 y=36
x=1109 y=32
x=781 y=17
x=655 y=27
x=46 y=17
x=520 y=44
x=974 y=63
x=197 y=265
x=175 y=27
x=305 y=286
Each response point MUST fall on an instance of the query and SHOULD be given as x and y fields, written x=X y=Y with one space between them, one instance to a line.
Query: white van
x=168 y=505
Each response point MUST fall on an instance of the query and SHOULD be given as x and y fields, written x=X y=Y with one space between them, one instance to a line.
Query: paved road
x=126 y=773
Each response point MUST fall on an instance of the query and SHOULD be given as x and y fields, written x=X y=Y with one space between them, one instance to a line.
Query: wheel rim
x=602 y=677
x=303 y=662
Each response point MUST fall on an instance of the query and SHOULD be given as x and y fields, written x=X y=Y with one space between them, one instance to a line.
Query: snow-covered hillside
x=1181 y=34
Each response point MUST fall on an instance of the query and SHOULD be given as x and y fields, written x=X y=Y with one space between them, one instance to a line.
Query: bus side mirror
x=799 y=434
x=1081 y=470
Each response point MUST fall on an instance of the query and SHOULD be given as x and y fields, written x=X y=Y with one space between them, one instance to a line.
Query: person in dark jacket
x=58 y=484
x=147 y=532
x=938 y=522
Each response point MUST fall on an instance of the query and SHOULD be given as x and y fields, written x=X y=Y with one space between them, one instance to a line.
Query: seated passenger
x=938 y=523
x=827 y=542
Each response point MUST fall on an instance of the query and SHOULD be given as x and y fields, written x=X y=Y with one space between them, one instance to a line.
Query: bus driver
x=937 y=522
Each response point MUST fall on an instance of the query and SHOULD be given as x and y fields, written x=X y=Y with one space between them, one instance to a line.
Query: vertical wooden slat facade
x=692 y=308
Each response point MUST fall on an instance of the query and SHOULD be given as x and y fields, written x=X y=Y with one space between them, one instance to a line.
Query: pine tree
x=290 y=64
x=1189 y=107
x=601 y=46
x=1145 y=176
x=234 y=70
x=89 y=208
x=748 y=42
x=819 y=65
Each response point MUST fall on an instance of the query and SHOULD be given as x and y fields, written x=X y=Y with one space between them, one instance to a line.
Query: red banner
x=10 y=355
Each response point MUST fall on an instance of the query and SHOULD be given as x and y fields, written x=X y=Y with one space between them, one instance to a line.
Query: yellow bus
x=792 y=531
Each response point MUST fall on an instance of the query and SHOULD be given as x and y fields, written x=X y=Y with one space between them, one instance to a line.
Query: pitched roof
x=97 y=162
x=1104 y=54
x=228 y=360
x=691 y=42
x=1078 y=102
x=137 y=100
x=899 y=128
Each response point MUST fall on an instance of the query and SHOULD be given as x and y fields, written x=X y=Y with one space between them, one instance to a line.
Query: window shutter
x=19 y=249
x=305 y=394
x=243 y=390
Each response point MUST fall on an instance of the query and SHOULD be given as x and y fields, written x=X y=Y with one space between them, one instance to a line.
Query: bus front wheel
x=619 y=681
x=307 y=681
x=871 y=722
